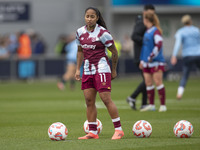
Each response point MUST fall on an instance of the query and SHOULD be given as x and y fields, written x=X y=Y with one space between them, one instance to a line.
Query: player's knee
x=158 y=83
x=106 y=101
x=90 y=102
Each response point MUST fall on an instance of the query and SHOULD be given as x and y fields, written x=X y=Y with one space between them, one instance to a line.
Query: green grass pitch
x=27 y=110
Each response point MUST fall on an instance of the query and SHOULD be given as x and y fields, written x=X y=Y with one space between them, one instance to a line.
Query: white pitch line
x=119 y=104
x=184 y=108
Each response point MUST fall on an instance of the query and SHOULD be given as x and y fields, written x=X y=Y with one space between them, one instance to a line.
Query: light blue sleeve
x=177 y=44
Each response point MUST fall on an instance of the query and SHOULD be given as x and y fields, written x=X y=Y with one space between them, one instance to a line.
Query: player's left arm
x=158 y=41
x=113 y=50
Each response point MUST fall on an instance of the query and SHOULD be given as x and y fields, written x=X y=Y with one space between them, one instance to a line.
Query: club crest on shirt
x=93 y=39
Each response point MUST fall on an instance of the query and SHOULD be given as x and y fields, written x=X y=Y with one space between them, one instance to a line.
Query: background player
x=71 y=53
x=137 y=37
x=189 y=37
x=152 y=61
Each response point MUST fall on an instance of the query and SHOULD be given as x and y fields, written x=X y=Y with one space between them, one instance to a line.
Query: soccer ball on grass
x=142 y=128
x=183 y=129
x=57 y=131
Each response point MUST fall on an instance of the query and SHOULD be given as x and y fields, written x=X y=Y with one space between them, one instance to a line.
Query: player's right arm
x=79 y=62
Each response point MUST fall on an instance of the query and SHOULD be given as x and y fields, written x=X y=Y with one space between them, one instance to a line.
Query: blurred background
x=43 y=27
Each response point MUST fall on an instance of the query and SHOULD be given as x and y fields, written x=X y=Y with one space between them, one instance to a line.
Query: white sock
x=180 y=90
x=150 y=87
x=92 y=131
x=115 y=120
x=131 y=99
x=160 y=87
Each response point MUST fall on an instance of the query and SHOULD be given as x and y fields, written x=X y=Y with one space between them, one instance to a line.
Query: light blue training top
x=71 y=50
x=189 y=37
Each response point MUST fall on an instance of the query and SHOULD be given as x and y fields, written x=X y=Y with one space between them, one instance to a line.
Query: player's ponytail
x=157 y=23
x=153 y=18
x=100 y=21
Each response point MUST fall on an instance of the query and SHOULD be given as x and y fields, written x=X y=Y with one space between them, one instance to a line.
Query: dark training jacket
x=137 y=37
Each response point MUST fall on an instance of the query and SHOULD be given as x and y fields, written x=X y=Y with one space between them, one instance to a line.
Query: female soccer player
x=152 y=61
x=92 y=40
x=189 y=37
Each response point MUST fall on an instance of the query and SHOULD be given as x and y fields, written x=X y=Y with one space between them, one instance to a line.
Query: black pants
x=188 y=63
x=141 y=88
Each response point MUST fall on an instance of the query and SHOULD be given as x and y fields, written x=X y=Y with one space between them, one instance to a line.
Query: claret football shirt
x=94 y=45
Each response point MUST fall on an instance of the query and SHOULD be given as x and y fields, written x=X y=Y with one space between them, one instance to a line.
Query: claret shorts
x=100 y=81
x=154 y=69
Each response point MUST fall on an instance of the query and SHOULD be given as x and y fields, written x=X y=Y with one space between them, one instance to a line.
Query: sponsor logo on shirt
x=88 y=46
